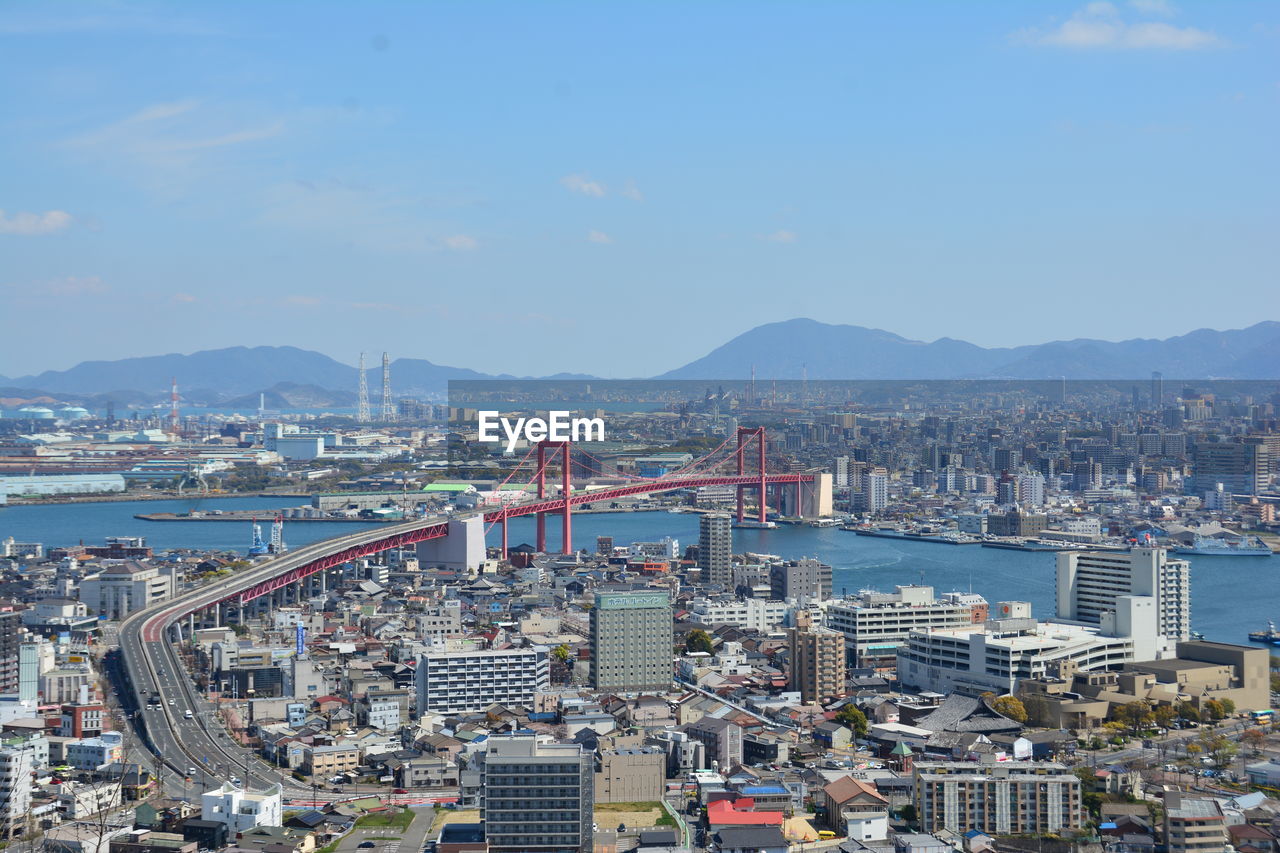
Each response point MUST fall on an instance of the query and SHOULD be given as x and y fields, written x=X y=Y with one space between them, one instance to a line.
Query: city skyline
x=442 y=175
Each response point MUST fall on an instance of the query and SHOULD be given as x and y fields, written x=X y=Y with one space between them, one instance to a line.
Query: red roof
x=725 y=813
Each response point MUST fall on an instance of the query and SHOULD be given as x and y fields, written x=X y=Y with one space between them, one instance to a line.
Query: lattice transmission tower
x=388 y=410
x=362 y=400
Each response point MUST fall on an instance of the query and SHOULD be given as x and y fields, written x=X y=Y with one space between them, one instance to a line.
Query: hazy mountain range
x=786 y=350
x=824 y=351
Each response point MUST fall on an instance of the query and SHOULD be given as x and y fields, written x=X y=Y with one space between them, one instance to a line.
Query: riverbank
x=1220 y=606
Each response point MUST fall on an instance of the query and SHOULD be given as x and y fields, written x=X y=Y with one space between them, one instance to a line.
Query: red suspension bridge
x=542 y=460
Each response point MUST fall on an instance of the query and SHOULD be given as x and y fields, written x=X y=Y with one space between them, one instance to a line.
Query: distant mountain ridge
x=792 y=348
x=208 y=375
x=783 y=350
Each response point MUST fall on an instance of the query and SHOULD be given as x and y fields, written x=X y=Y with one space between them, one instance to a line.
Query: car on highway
x=364 y=845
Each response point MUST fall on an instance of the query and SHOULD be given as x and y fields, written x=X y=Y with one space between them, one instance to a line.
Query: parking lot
x=390 y=839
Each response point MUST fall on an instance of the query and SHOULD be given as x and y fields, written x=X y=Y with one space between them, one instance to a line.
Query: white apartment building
x=667 y=548
x=16 y=766
x=1031 y=490
x=119 y=590
x=995 y=656
x=467 y=681
x=240 y=810
x=875 y=491
x=1091 y=582
x=384 y=714
x=78 y=800
x=751 y=613
x=875 y=624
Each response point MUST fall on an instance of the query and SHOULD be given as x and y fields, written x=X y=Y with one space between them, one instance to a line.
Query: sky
x=617 y=188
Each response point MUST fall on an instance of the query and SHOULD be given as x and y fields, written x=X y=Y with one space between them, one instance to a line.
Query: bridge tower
x=563 y=450
x=745 y=435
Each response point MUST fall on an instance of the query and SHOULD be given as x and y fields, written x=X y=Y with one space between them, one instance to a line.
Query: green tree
x=560 y=653
x=850 y=715
x=1187 y=711
x=699 y=641
x=1218 y=746
x=1228 y=706
x=1213 y=710
x=1164 y=716
x=1011 y=707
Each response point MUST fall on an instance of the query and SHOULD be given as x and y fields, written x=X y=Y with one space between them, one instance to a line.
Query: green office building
x=631 y=642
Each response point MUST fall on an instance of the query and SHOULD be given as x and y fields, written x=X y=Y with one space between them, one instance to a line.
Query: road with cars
x=177 y=724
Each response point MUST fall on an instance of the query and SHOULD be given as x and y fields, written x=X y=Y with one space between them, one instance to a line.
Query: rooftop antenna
x=388 y=412
x=362 y=400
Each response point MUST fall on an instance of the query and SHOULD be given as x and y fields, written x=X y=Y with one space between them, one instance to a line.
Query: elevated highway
x=163 y=692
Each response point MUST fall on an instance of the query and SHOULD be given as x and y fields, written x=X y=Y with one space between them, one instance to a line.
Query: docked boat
x=1271 y=635
x=1208 y=546
x=755 y=525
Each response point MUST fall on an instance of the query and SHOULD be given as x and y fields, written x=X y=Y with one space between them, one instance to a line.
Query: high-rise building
x=631 y=642
x=1031 y=489
x=1243 y=468
x=817 y=659
x=715 y=548
x=1090 y=583
x=536 y=796
x=469 y=681
x=803 y=580
x=10 y=647
x=874 y=495
x=1010 y=798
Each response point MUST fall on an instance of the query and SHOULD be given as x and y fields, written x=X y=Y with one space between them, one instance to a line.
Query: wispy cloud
x=183 y=299
x=116 y=20
x=166 y=144
x=1154 y=7
x=631 y=191
x=461 y=242
x=583 y=185
x=34 y=224
x=783 y=236
x=362 y=216
x=150 y=132
x=73 y=285
x=1102 y=26
x=598 y=237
